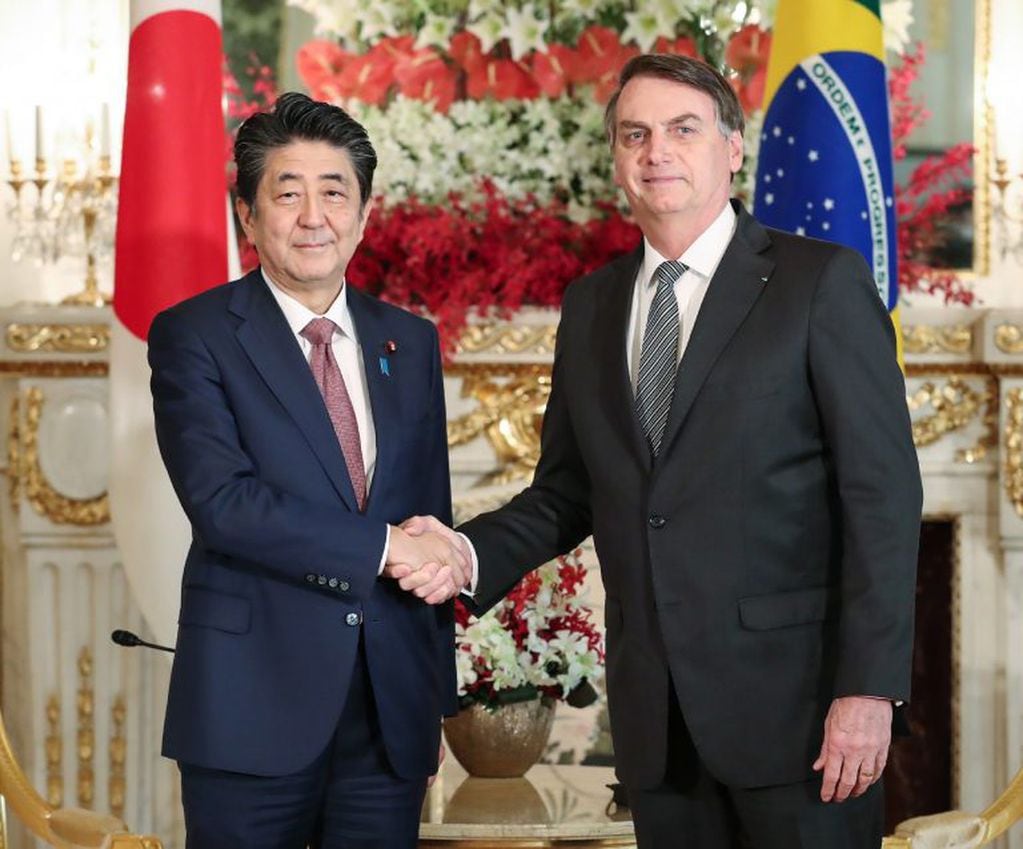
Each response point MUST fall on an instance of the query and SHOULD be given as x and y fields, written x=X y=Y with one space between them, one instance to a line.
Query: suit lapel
x=738 y=282
x=372 y=329
x=611 y=342
x=267 y=339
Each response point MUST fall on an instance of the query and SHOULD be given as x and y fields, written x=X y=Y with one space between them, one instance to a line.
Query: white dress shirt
x=348 y=353
x=703 y=257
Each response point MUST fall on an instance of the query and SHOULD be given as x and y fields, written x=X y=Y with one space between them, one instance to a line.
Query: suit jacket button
x=656 y=521
x=322 y=580
x=344 y=586
x=332 y=583
x=353 y=619
x=311 y=578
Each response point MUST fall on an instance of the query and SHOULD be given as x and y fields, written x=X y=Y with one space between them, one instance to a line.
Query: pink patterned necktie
x=320 y=332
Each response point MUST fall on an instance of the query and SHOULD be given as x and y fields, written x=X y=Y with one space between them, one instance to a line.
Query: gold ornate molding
x=937 y=339
x=117 y=785
x=86 y=736
x=53 y=748
x=46 y=501
x=58 y=338
x=511 y=403
x=14 y=453
x=1009 y=338
x=956 y=404
x=28 y=368
x=502 y=339
x=1013 y=437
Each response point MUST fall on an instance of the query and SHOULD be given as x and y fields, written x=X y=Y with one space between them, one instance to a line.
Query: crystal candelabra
x=66 y=212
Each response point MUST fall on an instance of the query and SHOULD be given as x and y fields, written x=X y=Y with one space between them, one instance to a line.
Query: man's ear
x=367 y=208
x=245 y=215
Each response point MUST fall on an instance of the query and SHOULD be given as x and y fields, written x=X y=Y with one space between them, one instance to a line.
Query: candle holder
x=70 y=211
x=1007 y=210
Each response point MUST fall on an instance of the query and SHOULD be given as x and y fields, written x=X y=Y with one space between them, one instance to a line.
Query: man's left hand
x=857 y=733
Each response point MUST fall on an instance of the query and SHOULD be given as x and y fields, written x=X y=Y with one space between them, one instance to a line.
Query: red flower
x=683 y=46
x=424 y=75
x=318 y=62
x=747 y=53
x=502 y=79
x=466 y=50
x=549 y=73
x=598 y=53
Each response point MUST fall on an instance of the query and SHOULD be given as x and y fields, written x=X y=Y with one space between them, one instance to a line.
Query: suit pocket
x=208 y=608
x=784 y=610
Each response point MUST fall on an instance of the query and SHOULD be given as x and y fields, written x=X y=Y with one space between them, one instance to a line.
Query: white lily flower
x=524 y=30
x=646 y=26
x=436 y=30
x=489 y=29
x=897 y=17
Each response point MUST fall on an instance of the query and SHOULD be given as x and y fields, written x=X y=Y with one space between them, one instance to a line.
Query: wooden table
x=550 y=806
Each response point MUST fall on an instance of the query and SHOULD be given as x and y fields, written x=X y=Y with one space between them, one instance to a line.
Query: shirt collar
x=703 y=255
x=298 y=315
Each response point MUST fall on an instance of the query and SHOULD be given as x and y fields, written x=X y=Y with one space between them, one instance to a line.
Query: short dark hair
x=694 y=73
x=296 y=116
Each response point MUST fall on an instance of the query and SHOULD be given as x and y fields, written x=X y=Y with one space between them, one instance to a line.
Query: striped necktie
x=658 y=357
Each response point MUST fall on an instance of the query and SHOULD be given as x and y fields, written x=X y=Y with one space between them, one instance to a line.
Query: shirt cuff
x=470 y=590
x=387 y=548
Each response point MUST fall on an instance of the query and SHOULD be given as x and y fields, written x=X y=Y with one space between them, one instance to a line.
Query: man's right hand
x=430 y=565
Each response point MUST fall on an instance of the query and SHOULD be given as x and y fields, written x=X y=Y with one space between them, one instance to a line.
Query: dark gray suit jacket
x=765 y=562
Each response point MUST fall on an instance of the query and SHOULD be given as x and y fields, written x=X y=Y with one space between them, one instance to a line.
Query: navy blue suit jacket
x=281 y=576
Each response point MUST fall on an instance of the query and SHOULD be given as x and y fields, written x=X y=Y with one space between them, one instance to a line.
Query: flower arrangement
x=494 y=186
x=539 y=641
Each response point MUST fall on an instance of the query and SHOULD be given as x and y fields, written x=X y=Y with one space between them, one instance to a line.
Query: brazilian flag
x=825 y=163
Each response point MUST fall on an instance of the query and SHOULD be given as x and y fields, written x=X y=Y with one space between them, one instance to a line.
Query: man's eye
x=634 y=136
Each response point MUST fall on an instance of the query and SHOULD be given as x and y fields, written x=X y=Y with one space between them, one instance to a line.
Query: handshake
x=428 y=559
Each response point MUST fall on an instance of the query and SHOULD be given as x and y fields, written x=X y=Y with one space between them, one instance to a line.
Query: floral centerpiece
x=539 y=641
x=538 y=646
x=494 y=177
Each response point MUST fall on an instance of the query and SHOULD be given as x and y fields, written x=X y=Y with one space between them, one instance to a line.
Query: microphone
x=130 y=640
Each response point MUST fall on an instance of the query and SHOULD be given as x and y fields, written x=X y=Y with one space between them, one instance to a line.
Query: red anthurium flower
x=607 y=82
x=466 y=50
x=750 y=92
x=425 y=76
x=502 y=79
x=747 y=53
x=549 y=73
x=365 y=79
x=318 y=62
x=683 y=46
x=748 y=49
x=566 y=60
x=598 y=53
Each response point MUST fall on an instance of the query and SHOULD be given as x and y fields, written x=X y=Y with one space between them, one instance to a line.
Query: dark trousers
x=692 y=810
x=348 y=798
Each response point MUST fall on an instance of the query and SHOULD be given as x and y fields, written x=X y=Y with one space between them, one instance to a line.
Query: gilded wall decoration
x=499 y=339
x=955 y=405
x=58 y=338
x=511 y=402
x=86 y=736
x=53 y=748
x=1009 y=338
x=937 y=339
x=1014 y=449
x=46 y=501
x=118 y=756
x=14 y=453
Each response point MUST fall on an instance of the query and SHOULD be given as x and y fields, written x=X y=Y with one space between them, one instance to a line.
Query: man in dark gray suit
x=728 y=419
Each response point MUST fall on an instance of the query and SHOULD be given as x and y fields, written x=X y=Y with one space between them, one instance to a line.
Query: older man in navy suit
x=300 y=420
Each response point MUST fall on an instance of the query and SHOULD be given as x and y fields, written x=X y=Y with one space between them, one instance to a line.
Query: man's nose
x=657 y=145
x=311 y=213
